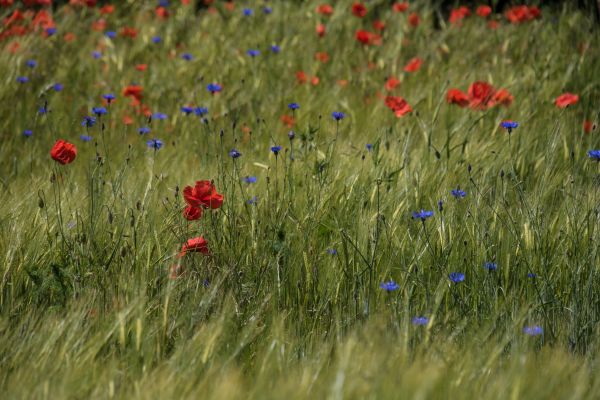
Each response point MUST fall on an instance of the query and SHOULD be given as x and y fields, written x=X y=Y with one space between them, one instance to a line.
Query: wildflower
x=458 y=14
x=159 y=116
x=418 y=321
x=440 y=205
x=389 y=286
x=249 y=179
x=337 y=115
x=187 y=56
x=267 y=10
x=398 y=105
x=85 y=138
x=156 y=39
x=588 y=126
x=233 y=153
x=533 y=330
x=367 y=38
x=458 y=193
x=275 y=49
x=594 y=155
x=566 y=99
x=43 y=109
x=331 y=252
x=96 y=54
x=325 y=9
x=22 y=79
x=192 y=213
x=456 y=277
x=276 y=150
x=413 y=65
x=214 y=88
x=359 y=10
x=203 y=194
x=509 y=125
x=531 y=275
x=99 y=111
x=480 y=95
x=490 y=266
x=111 y=34
x=293 y=106
x=154 y=144
x=57 y=87
x=483 y=11
x=31 y=63
x=369 y=147
x=27 y=132
x=50 y=31
x=252 y=201
x=195 y=245
x=414 y=20
x=200 y=111
x=63 y=152
x=187 y=110
x=391 y=83
x=143 y=130
x=455 y=96
x=291 y=135
x=88 y=121
x=422 y=215
x=109 y=97
x=253 y=53
x=248 y=12
x=400 y=7
x=321 y=30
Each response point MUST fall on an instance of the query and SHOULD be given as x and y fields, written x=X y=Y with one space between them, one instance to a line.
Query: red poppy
x=455 y=96
x=391 y=83
x=141 y=67
x=288 y=121
x=588 y=126
x=69 y=37
x=230 y=5
x=378 y=25
x=400 y=7
x=192 y=213
x=458 y=14
x=325 y=9
x=129 y=32
x=301 y=77
x=320 y=30
x=6 y=3
x=203 y=194
x=413 y=64
x=414 y=20
x=162 y=12
x=480 y=94
x=518 y=14
x=398 y=105
x=314 y=80
x=127 y=120
x=194 y=245
x=135 y=91
x=566 y=99
x=493 y=24
x=502 y=97
x=359 y=10
x=484 y=11
x=368 y=38
x=322 y=56
x=107 y=9
x=63 y=152
x=99 y=25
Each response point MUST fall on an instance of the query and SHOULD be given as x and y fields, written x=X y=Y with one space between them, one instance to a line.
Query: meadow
x=298 y=200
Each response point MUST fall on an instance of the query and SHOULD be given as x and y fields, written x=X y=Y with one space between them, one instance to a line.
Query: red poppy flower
x=6 y=3
x=162 y=12
x=588 y=126
x=322 y=56
x=391 y=83
x=99 y=25
x=480 y=94
x=400 y=7
x=484 y=11
x=194 y=245
x=203 y=194
x=458 y=14
x=502 y=97
x=566 y=99
x=127 y=120
x=359 y=10
x=314 y=80
x=141 y=67
x=398 y=105
x=230 y=5
x=368 y=38
x=129 y=32
x=69 y=37
x=455 y=96
x=288 y=121
x=320 y=30
x=135 y=91
x=192 y=213
x=493 y=24
x=107 y=9
x=518 y=14
x=301 y=77
x=413 y=64
x=378 y=25
x=414 y=20
x=63 y=152
x=325 y=9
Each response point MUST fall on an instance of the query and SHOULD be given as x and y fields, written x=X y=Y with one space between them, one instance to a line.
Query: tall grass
x=289 y=304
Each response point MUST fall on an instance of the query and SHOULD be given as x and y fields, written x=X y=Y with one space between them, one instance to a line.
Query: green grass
x=87 y=307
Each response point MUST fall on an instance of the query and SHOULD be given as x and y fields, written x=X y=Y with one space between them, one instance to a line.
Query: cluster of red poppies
x=481 y=96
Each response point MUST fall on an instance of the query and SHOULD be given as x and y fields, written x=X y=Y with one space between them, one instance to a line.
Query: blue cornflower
x=85 y=138
x=99 y=111
x=155 y=144
x=338 y=115
x=163 y=3
x=156 y=39
x=58 y=87
x=233 y=153
x=440 y=205
x=213 y=88
x=88 y=121
x=509 y=125
x=531 y=275
x=456 y=277
x=248 y=12
x=50 y=31
x=332 y=252
x=275 y=49
x=533 y=330
x=96 y=54
x=109 y=97
x=206 y=283
x=111 y=34
x=458 y=193
x=252 y=201
x=490 y=266
x=422 y=215
x=159 y=116
x=276 y=149
x=253 y=52
x=143 y=130
x=187 y=110
x=200 y=111
x=389 y=286
x=31 y=63
x=291 y=135
x=267 y=10
x=594 y=155
x=249 y=179
x=417 y=321
x=369 y=146
x=187 y=56
x=293 y=106
x=27 y=132
x=43 y=109
x=22 y=79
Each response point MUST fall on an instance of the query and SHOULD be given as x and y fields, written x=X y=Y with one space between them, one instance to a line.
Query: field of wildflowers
x=298 y=200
